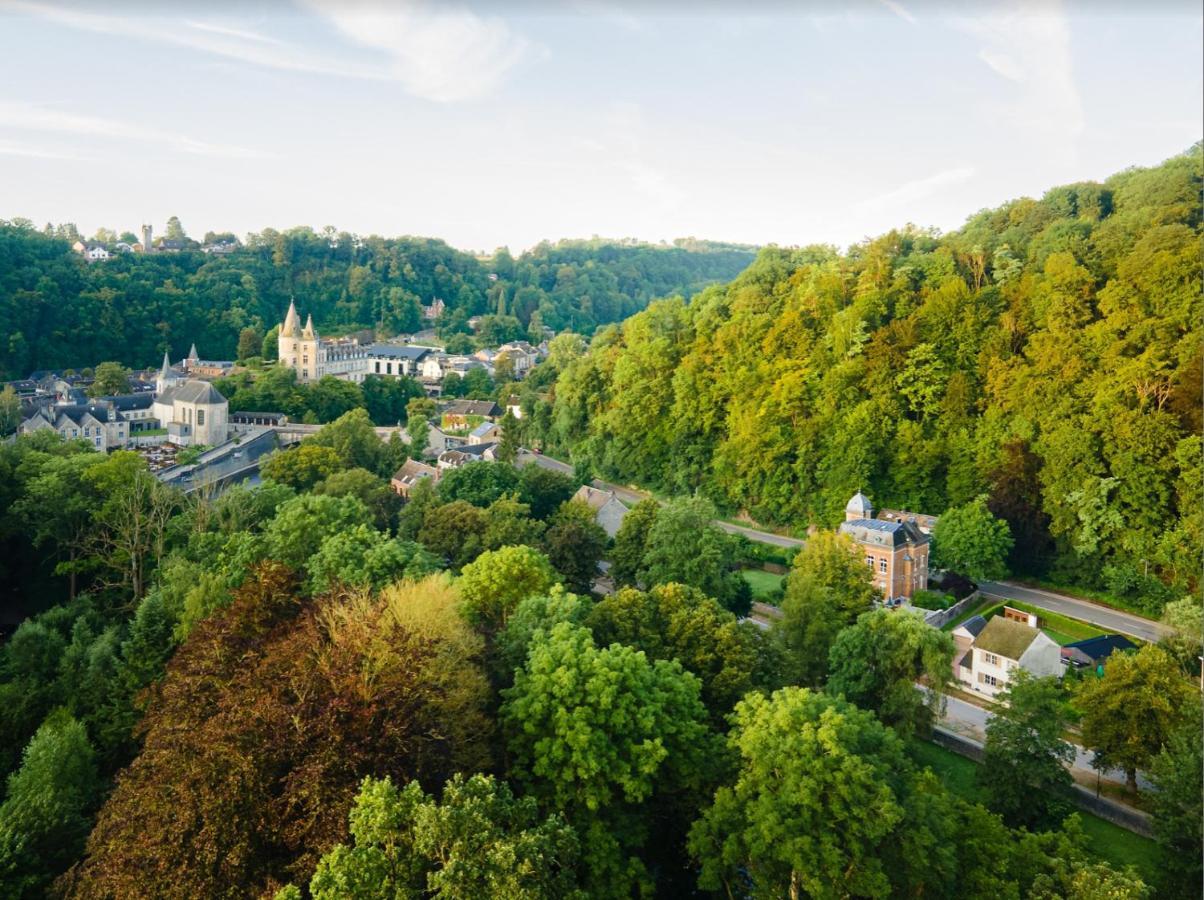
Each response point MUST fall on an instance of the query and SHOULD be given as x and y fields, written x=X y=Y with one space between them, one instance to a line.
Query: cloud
x=919 y=189
x=38 y=118
x=438 y=53
x=1028 y=43
x=899 y=10
x=16 y=148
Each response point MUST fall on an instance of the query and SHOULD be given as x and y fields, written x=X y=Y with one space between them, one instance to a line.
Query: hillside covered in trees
x=57 y=311
x=1046 y=355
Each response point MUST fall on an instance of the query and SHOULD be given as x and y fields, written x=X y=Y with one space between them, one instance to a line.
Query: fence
x=938 y=618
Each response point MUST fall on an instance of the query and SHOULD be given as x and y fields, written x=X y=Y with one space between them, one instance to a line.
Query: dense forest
x=57 y=311
x=306 y=689
x=1047 y=355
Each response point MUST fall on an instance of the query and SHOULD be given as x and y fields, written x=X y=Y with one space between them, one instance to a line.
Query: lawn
x=762 y=583
x=1062 y=629
x=1108 y=842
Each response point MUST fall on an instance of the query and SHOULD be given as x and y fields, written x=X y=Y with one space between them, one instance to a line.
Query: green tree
x=303 y=524
x=816 y=804
x=353 y=437
x=371 y=489
x=1131 y=712
x=250 y=343
x=575 y=544
x=877 y=662
x=507 y=450
x=1185 y=643
x=971 y=541
x=46 y=813
x=270 y=347
x=175 y=231
x=1025 y=774
x=478 y=483
x=729 y=657
x=418 y=426
x=685 y=546
x=454 y=532
x=534 y=614
x=364 y=557
x=631 y=543
x=479 y=841
x=632 y=728
x=10 y=411
x=544 y=490
x=828 y=588
x=112 y=378
x=1179 y=804
x=497 y=581
x=301 y=467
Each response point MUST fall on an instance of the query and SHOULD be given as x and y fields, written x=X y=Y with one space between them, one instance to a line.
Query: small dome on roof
x=859 y=507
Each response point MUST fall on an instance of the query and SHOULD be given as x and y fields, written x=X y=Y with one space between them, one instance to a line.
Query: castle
x=303 y=350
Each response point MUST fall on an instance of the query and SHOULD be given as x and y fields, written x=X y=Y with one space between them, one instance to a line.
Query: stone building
x=896 y=551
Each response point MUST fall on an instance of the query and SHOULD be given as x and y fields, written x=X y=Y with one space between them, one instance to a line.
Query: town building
x=895 y=551
x=192 y=411
x=609 y=510
x=406 y=478
x=1003 y=646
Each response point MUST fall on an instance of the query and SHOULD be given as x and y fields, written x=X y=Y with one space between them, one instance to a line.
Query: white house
x=609 y=510
x=1003 y=646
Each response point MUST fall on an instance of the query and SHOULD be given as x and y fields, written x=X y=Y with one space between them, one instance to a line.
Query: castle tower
x=147 y=243
x=297 y=347
x=859 y=508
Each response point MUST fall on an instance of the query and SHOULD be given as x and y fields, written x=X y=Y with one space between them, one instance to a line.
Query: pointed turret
x=165 y=370
x=309 y=334
x=291 y=321
x=192 y=355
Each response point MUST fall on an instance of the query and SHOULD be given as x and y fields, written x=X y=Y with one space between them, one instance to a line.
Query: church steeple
x=166 y=377
x=291 y=321
x=192 y=355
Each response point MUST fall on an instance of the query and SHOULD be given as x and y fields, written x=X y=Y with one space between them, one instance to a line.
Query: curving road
x=1103 y=616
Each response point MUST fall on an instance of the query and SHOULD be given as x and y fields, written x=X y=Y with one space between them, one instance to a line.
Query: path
x=632 y=496
x=1103 y=616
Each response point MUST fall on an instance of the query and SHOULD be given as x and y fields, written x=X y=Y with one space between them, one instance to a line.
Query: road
x=1103 y=616
x=630 y=496
x=968 y=720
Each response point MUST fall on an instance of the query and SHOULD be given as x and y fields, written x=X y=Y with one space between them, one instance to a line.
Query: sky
x=503 y=124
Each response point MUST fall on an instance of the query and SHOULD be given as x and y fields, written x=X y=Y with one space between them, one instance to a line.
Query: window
x=378 y=367
x=988 y=679
x=882 y=565
x=200 y=417
x=990 y=659
x=869 y=561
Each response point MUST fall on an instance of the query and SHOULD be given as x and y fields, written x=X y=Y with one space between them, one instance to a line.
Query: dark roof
x=476 y=449
x=398 y=351
x=251 y=414
x=879 y=531
x=1100 y=647
x=473 y=408
x=126 y=402
x=76 y=412
x=974 y=625
x=412 y=470
x=192 y=392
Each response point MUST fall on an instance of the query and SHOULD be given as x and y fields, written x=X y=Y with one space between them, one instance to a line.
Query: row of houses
x=301 y=348
x=98 y=251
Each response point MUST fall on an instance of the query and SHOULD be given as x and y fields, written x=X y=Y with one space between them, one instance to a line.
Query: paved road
x=1103 y=616
x=630 y=496
x=970 y=721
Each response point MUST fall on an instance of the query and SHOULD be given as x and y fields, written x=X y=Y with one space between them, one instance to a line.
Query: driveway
x=1102 y=616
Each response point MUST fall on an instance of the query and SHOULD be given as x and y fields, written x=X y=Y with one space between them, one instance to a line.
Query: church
x=192 y=411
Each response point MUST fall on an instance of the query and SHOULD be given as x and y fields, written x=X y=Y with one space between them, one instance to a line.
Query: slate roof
x=412 y=470
x=483 y=429
x=974 y=625
x=128 y=402
x=398 y=351
x=1098 y=648
x=595 y=498
x=473 y=408
x=1005 y=637
x=883 y=533
x=192 y=392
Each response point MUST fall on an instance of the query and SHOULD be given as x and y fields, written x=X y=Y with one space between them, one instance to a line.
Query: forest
x=57 y=311
x=308 y=689
x=1046 y=356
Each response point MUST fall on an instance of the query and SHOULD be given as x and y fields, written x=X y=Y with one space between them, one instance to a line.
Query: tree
x=633 y=728
x=507 y=450
x=175 y=231
x=112 y=378
x=544 y=490
x=534 y=614
x=1025 y=773
x=685 y=546
x=1185 y=643
x=418 y=412
x=631 y=543
x=371 y=489
x=1133 y=709
x=815 y=806
x=10 y=411
x=479 y=841
x=497 y=581
x=454 y=532
x=46 y=814
x=478 y=483
x=303 y=524
x=301 y=467
x=971 y=541
x=386 y=398
x=877 y=662
x=828 y=588
x=729 y=657
x=366 y=558
x=270 y=347
x=575 y=544
x=250 y=343
x=1178 y=804
x=509 y=523
x=353 y=437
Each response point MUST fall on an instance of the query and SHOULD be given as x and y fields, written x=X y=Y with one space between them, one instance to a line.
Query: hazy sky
x=500 y=123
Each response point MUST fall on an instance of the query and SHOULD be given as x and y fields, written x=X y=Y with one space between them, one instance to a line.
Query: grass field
x=762 y=583
x=1108 y=842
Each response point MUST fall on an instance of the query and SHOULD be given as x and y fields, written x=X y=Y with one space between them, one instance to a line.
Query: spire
x=291 y=321
x=192 y=355
x=309 y=333
x=166 y=370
